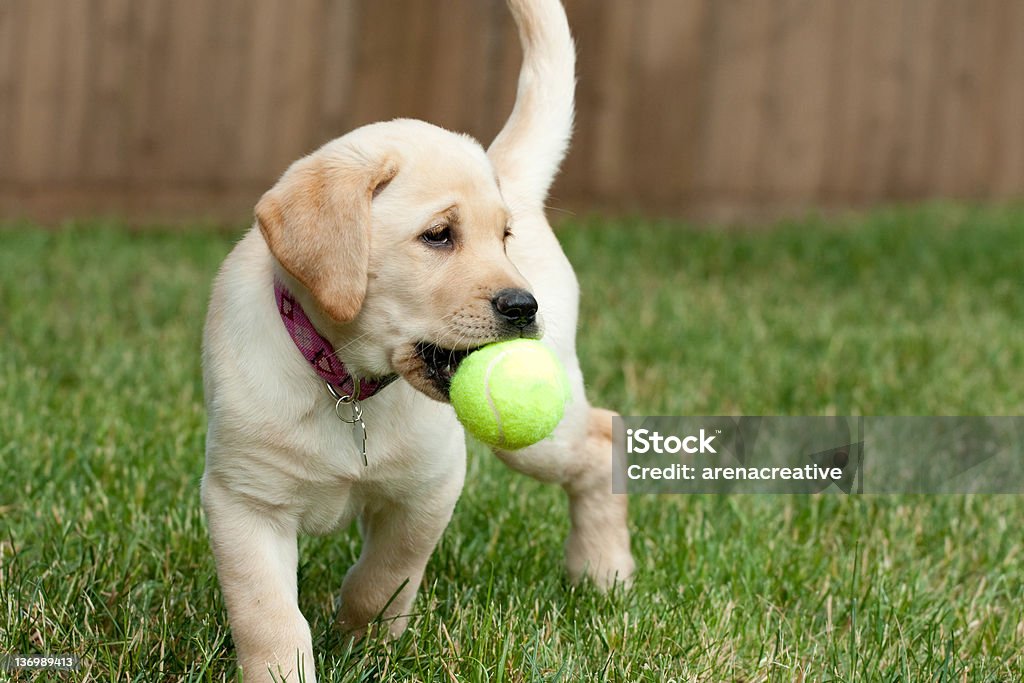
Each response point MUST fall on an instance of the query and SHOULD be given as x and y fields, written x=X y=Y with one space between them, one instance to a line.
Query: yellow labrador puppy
x=374 y=266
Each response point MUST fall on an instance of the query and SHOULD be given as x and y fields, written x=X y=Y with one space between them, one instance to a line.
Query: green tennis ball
x=510 y=394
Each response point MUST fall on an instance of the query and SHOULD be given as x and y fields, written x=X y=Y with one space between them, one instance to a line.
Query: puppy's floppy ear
x=316 y=221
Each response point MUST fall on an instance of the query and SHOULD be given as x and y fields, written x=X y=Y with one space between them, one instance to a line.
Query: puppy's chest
x=335 y=484
x=349 y=445
x=334 y=480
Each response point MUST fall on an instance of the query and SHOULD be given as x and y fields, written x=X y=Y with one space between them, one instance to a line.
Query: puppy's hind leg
x=598 y=544
x=579 y=458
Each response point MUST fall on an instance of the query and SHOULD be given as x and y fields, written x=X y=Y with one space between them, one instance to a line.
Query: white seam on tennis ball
x=490 y=401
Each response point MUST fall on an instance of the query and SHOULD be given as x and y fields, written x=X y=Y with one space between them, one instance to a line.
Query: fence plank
x=505 y=70
x=338 y=42
x=596 y=160
x=874 y=137
x=952 y=93
x=258 y=118
x=1008 y=174
x=738 y=34
x=12 y=22
x=661 y=137
x=149 y=100
x=387 y=34
x=457 y=67
x=72 y=95
x=971 y=125
x=795 y=148
x=107 y=144
x=922 y=70
x=39 y=97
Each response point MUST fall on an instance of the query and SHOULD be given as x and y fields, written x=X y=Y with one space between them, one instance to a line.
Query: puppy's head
x=398 y=232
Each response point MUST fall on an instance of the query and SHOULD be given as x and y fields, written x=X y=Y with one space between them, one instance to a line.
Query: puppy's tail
x=528 y=150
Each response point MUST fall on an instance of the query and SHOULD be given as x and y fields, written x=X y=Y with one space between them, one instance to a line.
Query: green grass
x=914 y=311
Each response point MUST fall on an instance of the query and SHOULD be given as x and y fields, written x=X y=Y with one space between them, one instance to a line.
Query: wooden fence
x=186 y=108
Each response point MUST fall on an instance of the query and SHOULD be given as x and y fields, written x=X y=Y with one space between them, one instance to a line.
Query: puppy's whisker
x=458 y=343
x=347 y=344
x=561 y=210
x=460 y=334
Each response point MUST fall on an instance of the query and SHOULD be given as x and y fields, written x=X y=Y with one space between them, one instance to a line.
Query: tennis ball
x=510 y=394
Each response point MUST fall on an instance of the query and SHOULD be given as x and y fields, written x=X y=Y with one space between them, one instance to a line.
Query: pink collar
x=319 y=352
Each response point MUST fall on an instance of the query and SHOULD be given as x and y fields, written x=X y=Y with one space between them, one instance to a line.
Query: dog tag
x=359 y=430
x=358 y=425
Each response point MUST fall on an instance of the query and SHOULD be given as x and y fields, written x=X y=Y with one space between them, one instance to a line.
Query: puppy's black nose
x=516 y=306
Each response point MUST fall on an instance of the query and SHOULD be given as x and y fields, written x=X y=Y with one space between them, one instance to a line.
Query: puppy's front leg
x=256 y=563
x=397 y=542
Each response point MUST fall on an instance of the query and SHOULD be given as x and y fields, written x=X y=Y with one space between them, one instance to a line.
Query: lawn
x=103 y=551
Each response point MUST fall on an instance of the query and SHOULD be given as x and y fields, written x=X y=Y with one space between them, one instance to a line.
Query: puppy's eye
x=438 y=236
x=508 y=232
